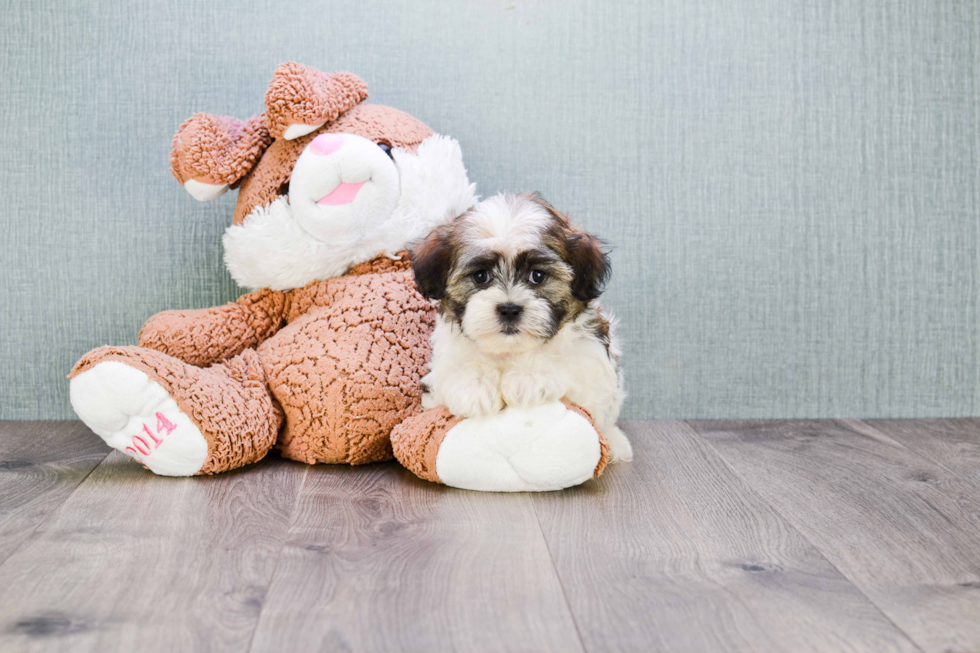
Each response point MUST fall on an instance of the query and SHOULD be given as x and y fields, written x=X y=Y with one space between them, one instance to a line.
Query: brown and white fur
x=519 y=323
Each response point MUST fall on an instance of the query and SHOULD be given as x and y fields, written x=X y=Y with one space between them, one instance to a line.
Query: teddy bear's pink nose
x=326 y=144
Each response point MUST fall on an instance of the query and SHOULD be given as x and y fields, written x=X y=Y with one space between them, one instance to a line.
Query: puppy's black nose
x=509 y=312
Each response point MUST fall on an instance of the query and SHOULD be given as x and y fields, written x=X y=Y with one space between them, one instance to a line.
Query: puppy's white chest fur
x=574 y=364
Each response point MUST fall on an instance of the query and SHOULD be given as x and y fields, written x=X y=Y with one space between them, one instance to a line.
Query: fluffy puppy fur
x=516 y=286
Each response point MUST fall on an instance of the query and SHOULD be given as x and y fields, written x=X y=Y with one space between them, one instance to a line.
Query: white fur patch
x=296 y=130
x=271 y=250
x=508 y=224
x=204 y=192
x=138 y=417
x=538 y=449
x=573 y=364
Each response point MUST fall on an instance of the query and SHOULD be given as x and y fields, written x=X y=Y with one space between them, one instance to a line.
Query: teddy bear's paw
x=296 y=130
x=547 y=447
x=203 y=191
x=620 y=449
x=135 y=415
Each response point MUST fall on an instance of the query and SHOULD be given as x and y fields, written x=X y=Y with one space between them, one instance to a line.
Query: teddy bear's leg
x=547 y=447
x=300 y=100
x=175 y=418
x=346 y=374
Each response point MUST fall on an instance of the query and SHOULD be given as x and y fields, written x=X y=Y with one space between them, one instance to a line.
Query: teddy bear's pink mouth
x=342 y=194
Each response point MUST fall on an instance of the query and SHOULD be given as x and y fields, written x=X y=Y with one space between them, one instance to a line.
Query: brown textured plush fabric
x=305 y=96
x=208 y=335
x=322 y=293
x=348 y=369
x=229 y=403
x=416 y=441
x=382 y=264
x=217 y=149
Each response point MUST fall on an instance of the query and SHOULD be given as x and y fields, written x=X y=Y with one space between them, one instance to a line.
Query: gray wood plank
x=41 y=464
x=900 y=527
x=137 y=562
x=378 y=560
x=950 y=443
x=673 y=552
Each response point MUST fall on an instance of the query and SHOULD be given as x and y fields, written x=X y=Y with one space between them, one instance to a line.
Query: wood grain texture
x=378 y=560
x=41 y=464
x=950 y=443
x=137 y=562
x=772 y=536
x=903 y=529
x=673 y=552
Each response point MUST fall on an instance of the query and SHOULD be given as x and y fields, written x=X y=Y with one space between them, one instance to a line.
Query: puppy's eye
x=385 y=148
x=481 y=277
x=538 y=277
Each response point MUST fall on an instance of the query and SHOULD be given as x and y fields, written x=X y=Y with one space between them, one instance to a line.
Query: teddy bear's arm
x=208 y=335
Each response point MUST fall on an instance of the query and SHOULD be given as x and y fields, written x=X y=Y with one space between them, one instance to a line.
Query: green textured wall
x=791 y=187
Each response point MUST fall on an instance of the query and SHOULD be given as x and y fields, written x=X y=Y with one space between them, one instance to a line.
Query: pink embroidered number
x=164 y=423
x=141 y=446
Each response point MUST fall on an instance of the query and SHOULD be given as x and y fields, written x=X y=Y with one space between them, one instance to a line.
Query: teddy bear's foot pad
x=203 y=191
x=547 y=447
x=135 y=415
x=296 y=130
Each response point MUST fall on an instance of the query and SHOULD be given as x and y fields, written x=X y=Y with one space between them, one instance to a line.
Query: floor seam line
x=920 y=454
x=275 y=568
x=806 y=539
x=561 y=583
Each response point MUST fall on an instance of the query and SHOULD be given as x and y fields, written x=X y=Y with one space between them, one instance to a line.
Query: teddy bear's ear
x=212 y=153
x=300 y=100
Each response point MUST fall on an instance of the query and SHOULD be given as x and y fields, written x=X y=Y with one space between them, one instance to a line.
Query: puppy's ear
x=590 y=263
x=580 y=249
x=432 y=260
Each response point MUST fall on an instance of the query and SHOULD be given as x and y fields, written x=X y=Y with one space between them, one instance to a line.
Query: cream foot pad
x=138 y=417
x=547 y=447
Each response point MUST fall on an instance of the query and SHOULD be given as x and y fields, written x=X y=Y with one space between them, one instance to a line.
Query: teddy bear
x=322 y=358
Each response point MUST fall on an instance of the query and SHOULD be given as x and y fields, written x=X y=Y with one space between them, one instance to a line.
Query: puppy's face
x=510 y=272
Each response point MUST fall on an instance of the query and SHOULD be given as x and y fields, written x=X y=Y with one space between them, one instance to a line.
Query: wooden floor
x=719 y=536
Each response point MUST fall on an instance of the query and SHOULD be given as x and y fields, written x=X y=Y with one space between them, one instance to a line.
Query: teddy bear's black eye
x=481 y=277
x=385 y=148
x=537 y=277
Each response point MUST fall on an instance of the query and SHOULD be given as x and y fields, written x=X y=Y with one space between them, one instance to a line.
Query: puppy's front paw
x=525 y=389
x=473 y=397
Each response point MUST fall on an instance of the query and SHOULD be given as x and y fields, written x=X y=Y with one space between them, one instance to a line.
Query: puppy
x=519 y=324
